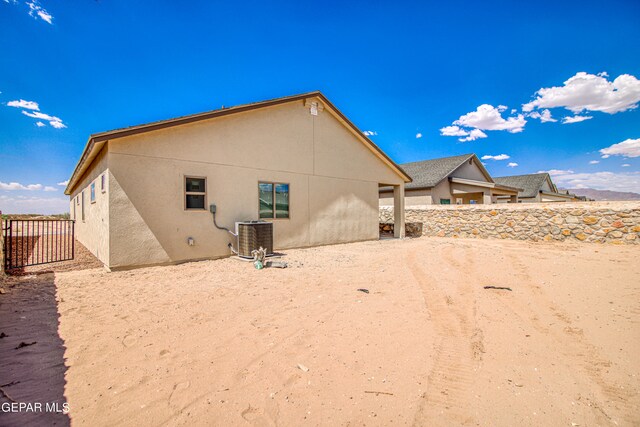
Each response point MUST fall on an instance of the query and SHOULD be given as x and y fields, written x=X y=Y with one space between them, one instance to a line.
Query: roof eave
x=123 y=132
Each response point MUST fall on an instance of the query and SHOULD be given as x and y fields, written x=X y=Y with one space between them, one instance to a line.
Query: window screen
x=282 y=200
x=195 y=192
x=266 y=200
x=93 y=192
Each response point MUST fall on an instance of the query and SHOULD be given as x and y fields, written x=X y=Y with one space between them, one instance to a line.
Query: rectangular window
x=274 y=200
x=195 y=192
x=103 y=187
x=93 y=192
x=78 y=200
x=82 y=207
x=445 y=201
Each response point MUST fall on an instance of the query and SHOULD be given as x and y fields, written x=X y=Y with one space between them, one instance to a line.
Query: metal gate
x=34 y=242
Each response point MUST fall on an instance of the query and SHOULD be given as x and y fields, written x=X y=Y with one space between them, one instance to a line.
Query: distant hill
x=604 y=194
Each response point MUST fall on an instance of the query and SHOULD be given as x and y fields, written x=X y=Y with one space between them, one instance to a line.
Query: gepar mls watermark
x=35 y=407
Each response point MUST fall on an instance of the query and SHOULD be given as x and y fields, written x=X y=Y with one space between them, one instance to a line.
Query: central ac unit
x=252 y=235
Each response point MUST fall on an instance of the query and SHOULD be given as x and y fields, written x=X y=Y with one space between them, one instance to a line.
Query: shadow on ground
x=32 y=365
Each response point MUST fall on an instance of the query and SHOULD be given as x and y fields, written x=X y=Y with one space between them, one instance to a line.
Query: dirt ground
x=451 y=332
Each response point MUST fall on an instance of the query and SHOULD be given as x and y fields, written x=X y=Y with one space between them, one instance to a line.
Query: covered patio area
x=469 y=192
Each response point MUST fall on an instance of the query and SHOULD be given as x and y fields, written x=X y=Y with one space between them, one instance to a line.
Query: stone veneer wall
x=600 y=222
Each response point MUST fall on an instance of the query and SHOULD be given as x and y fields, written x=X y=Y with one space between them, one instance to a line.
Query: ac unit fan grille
x=252 y=236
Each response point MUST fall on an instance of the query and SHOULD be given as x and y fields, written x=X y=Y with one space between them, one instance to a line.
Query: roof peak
x=248 y=105
x=442 y=158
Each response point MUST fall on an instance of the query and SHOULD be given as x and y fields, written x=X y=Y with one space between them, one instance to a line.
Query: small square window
x=93 y=192
x=195 y=193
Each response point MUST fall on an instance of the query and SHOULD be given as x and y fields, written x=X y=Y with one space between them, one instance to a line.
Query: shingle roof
x=531 y=184
x=428 y=173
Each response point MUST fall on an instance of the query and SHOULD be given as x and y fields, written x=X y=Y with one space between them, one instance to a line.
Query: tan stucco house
x=536 y=188
x=141 y=195
x=458 y=180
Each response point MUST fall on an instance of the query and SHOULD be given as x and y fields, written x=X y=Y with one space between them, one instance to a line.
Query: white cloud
x=487 y=117
x=11 y=186
x=370 y=132
x=512 y=164
x=57 y=124
x=40 y=124
x=41 y=205
x=473 y=135
x=49 y=188
x=544 y=117
x=418 y=135
x=575 y=119
x=64 y=183
x=502 y=108
x=29 y=105
x=626 y=148
x=54 y=121
x=605 y=156
x=36 y=10
x=623 y=181
x=589 y=92
x=453 y=131
x=556 y=172
x=498 y=157
x=594 y=162
x=626 y=165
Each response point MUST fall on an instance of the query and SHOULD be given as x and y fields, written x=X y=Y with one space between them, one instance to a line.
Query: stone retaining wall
x=599 y=222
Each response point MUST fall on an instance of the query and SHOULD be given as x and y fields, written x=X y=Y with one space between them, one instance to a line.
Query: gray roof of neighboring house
x=428 y=173
x=531 y=184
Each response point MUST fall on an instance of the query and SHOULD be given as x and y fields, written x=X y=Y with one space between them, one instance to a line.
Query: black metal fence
x=34 y=242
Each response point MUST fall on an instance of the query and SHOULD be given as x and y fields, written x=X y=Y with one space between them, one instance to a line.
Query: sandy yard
x=219 y=343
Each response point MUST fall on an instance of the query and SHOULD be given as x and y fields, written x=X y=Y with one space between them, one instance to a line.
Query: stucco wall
x=411 y=198
x=601 y=222
x=333 y=182
x=469 y=171
x=93 y=231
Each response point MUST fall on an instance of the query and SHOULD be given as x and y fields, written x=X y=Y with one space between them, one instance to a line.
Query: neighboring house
x=141 y=194
x=536 y=187
x=458 y=180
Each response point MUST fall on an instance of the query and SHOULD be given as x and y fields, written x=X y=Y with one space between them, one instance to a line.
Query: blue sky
x=471 y=69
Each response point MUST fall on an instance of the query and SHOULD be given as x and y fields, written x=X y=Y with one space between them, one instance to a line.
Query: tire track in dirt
x=458 y=346
x=571 y=341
